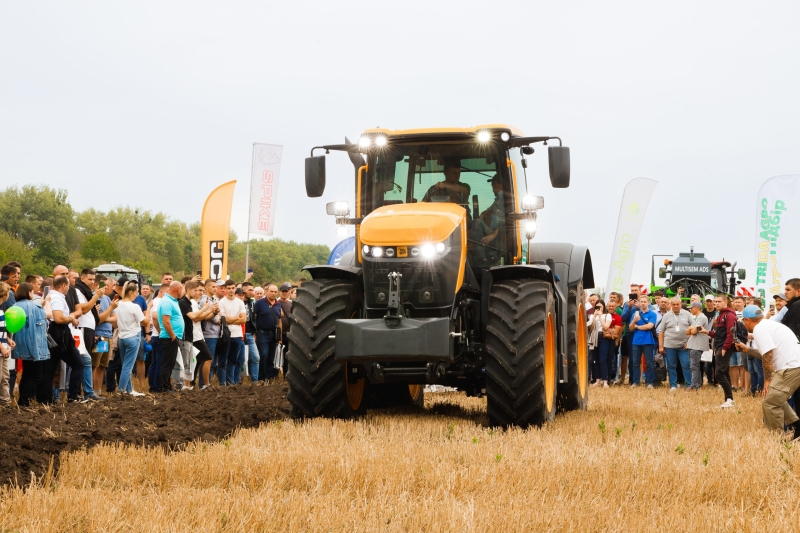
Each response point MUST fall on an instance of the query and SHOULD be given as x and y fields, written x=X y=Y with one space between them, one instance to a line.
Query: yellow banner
x=215 y=227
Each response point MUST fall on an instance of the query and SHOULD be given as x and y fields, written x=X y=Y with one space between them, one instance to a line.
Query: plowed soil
x=30 y=437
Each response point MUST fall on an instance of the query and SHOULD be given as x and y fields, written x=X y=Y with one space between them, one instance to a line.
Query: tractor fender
x=571 y=263
x=347 y=273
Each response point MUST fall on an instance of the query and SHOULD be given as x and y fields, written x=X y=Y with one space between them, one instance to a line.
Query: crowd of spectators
x=713 y=335
x=87 y=335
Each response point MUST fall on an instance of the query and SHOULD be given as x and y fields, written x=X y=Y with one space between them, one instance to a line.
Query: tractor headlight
x=341 y=231
x=377 y=251
x=440 y=247
x=530 y=229
x=380 y=141
x=484 y=136
x=365 y=249
x=532 y=203
x=428 y=251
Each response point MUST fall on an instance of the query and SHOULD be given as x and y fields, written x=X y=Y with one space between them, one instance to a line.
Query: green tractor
x=691 y=273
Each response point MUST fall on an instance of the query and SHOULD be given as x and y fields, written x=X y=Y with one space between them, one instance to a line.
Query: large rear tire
x=318 y=383
x=574 y=395
x=521 y=353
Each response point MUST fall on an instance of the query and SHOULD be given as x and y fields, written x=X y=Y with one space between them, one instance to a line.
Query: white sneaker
x=728 y=404
x=650 y=387
x=134 y=393
x=673 y=389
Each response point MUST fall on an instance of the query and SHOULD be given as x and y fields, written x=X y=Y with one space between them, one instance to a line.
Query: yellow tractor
x=439 y=289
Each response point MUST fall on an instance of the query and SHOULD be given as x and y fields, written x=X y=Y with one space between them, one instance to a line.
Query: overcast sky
x=153 y=104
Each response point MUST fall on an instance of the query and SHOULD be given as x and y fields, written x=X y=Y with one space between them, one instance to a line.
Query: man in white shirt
x=229 y=368
x=779 y=351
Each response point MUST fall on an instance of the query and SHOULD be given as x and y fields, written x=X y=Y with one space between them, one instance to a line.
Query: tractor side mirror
x=315 y=176
x=662 y=272
x=559 y=166
x=740 y=273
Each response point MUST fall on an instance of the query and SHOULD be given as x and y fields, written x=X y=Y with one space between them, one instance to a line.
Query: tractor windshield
x=466 y=175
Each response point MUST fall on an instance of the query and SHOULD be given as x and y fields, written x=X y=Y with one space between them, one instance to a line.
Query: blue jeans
x=756 y=375
x=253 y=358
x=673 y=356
x=266 y=349
x=87 y=375
x=211 y=342
x=636 y=361
x=128 y=350
x=229 y=367
x=607 y=356
x=153 y=378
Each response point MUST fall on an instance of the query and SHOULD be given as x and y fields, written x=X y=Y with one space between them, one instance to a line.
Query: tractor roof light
x=339 y=209
x=365 y=141
x=484 y=136
x=380 y=141
x=505 y=136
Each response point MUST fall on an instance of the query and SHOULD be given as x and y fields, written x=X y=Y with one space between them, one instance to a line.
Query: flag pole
x=249 y=210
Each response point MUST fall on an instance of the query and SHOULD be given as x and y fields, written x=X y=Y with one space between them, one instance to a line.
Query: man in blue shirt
x=170 y=321
x=641 y=325
x=268 y=313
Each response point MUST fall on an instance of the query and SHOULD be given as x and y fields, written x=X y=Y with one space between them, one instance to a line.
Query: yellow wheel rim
x=550 y=363
x=582 y=352
x=355 y=391
x=414 y=391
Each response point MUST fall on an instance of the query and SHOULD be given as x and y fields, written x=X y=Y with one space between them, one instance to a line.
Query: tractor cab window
x=407 y=174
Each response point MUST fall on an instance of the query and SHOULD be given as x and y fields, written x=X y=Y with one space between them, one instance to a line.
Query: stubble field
x=638 y=460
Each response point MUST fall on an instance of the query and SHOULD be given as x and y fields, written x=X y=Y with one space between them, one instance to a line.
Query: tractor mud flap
x=424 y=339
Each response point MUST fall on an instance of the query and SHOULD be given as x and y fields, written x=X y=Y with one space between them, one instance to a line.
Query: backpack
x=740 y=333
x=224 y=337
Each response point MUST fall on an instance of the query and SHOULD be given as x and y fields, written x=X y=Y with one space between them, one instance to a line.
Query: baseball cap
x=286 y=286
x=220 y=282
x=494 y=178
x=709 y=297
x=123 y=280
x=780 y=295
x=696 y=305
x=239 y=291
x=752 y=311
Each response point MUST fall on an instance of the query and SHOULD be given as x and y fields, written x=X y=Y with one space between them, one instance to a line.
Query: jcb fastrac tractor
x=438 y=290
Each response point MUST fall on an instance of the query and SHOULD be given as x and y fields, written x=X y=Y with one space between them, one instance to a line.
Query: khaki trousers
x=5 y=397
x=777 y=412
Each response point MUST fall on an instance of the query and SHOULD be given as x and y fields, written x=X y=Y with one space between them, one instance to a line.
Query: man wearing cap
x=253 y=356
x=697 y=344
x=778 y=310
x=792 y=317
x=710 y=312
x=778 y=349
x=488 y=225
x=286 y=310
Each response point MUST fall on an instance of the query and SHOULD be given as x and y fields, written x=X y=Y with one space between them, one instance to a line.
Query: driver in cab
x=451 y=189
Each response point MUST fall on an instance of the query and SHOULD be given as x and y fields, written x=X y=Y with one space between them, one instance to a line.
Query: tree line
x=40 y=229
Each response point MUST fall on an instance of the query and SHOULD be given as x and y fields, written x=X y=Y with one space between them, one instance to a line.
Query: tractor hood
x=411 y=224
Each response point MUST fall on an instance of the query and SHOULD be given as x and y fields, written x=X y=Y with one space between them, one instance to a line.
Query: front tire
x=318 y=383
x=521 y=353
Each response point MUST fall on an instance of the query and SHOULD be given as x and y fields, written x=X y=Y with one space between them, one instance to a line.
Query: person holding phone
x=604 y=326
x=628 y=308
x=643 y=342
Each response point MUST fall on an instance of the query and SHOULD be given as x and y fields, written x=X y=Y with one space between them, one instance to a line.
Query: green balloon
x=15 y=319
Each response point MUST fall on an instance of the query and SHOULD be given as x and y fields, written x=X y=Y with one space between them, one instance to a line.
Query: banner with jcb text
x=264 y=187
x=773 y=201
x=635 y=200
x=215 y=230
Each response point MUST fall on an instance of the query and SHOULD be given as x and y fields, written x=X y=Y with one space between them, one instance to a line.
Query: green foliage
x=39 y=228
x=100 y=248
